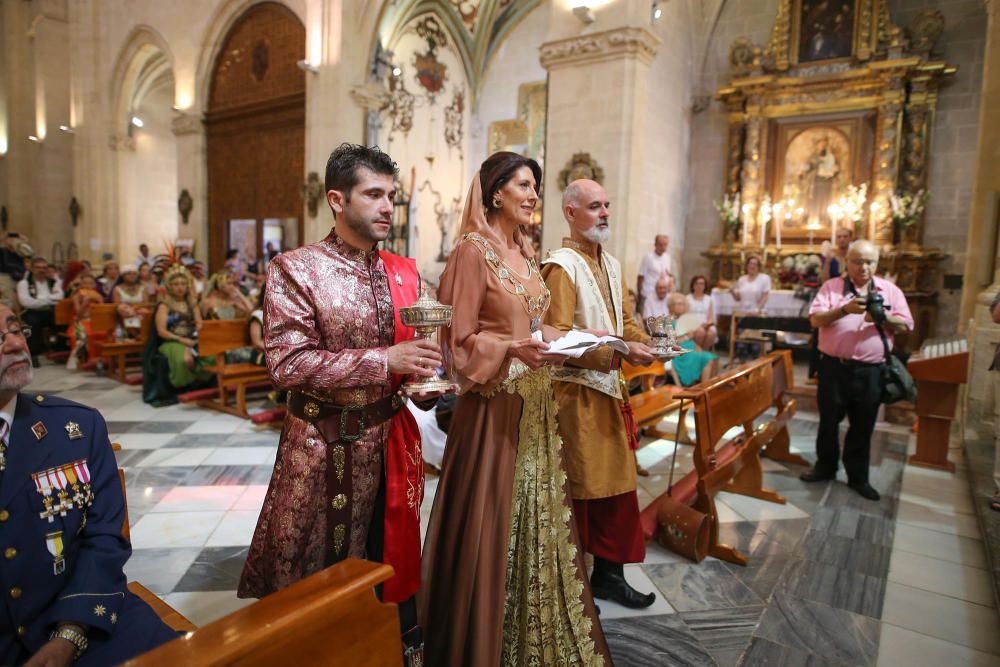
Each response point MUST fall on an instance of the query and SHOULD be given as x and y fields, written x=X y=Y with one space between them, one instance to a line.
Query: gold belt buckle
x=311 y=409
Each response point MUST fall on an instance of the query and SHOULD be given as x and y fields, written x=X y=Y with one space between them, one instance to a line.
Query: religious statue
x=818 y=181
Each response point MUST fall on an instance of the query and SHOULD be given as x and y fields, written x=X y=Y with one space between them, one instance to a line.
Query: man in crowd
x=348 y=454
x=61 y=516
x=655 y=266
x=12 y=268
x=834 y=264
x=598 y=439
x=659 y=303
x=143 y=257
x=38 y=293
x=846 y=312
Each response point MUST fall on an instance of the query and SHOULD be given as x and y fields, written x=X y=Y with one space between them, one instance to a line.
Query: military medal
x=55 y=484
x=54 y=543
x=3 y=457
x=73 y=431
x=38 y=428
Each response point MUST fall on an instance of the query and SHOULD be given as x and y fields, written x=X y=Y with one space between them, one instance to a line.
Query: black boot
x=413 y=648
x=608 y=583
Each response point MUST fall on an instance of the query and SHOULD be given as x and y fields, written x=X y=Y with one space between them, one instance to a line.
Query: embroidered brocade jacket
x=328 y=324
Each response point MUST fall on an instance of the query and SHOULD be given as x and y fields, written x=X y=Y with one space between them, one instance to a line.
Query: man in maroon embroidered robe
x=346 y=483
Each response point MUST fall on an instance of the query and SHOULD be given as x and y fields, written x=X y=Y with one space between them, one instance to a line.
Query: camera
x=875 y=305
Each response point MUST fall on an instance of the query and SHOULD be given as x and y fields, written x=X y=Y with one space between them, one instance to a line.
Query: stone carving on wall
x=117 y=142
x=454 y=121
x=75 y=210
x=399 y=106
x=430 y=73
x=744 y=57
x=185 y=204
x=185 y=124
x=637 y=42
x=925 y=30
x=446 y=218
x=312 y=192
x=581 y=165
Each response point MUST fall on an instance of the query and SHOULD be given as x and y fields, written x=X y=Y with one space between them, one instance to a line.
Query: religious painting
x=825 y=29
x=811 y=162
x=243 y=237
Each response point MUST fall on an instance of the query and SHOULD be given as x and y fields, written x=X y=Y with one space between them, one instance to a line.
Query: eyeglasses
x=17 y=330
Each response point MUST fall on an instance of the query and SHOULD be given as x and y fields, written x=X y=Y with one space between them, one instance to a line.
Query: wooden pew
x=654 y=402
x=215 y=339
x=738 y=398
x=329 y=618
x=117 y=352
x=62 y=317
x=173 y=618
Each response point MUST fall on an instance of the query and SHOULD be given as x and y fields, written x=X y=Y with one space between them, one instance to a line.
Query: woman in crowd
x=513 y=591
x=149 y=282
x=177 y=321
x=223 y=299
x=700 y=303
x=109 y=278
x=753 y=287
x=697 y=365
x=256 y=326
x=84 y=297
x=132 y=301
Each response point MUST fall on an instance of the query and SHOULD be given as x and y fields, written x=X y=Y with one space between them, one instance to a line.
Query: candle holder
x=426 y=315
x=661 y=330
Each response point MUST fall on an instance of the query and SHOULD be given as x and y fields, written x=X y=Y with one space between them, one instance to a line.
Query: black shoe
x=866 y=491
x=814 y=475
x=34 y=362
x=608 y=583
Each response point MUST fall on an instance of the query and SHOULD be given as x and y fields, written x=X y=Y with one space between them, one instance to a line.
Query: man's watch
x=73 y=634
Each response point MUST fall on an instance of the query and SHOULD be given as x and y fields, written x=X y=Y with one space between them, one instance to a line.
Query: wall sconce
x=307 y=66
x=584 y=13
x=67 y=129
x=657 y=10
x=33 y=138
x=136 y=121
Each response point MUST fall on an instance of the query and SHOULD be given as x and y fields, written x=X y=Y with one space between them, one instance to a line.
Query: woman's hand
x=186 y=342
x=533 y=353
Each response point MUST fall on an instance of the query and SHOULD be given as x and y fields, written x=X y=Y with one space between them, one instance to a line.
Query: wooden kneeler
x=736 y=399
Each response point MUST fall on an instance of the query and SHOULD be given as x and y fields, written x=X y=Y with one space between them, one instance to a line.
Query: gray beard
x=599 y=236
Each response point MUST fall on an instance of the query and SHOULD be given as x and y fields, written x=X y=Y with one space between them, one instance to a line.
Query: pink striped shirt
x=851 y=337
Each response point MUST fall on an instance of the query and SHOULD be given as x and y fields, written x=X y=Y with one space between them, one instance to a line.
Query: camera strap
x=878 y=327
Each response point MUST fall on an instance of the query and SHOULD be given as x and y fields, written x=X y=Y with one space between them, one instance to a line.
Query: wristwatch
x=74 y=635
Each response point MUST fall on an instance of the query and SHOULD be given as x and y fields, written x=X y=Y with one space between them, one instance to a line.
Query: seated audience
x=38 y=294
x=132 y=301
x=224 y=300
x=71 y=276
x=68 y=598
x=172 y=344
x=655 y=305
x=12 y=267
x=143 y=256
x=150 y=282
x=753 y=287
x=697 y=365
x=700 y=303
x=198 y=277
x=85 y=296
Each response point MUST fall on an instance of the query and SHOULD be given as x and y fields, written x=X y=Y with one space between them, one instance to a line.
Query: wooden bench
x=62 y=317
x=173 y=618
x=215 y=339
x=118 y=352
x=329 y=618
x=738 y=398
x=655 y=402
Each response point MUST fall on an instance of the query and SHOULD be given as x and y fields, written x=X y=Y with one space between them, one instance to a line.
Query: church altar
x=829 y=127
x=780 y=303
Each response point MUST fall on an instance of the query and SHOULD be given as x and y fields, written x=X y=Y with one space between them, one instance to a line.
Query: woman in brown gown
x=504 y=580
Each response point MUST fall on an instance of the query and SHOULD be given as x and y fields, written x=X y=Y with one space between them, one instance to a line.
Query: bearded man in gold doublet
x=587 y=292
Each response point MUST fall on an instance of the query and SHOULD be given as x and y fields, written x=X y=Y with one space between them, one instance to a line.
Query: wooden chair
x=329 y=618
x=737 y=398
x=215 y=339
x=655 y=402
x=173 y=618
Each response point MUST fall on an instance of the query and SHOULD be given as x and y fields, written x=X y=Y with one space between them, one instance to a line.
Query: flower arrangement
x=854 y=205
x=729 y=212
x=800 y=269
x=907 y=208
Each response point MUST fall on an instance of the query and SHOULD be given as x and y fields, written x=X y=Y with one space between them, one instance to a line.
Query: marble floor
x=832 y=580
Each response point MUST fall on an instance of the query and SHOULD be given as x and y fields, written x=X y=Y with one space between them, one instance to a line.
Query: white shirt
x=44 y=297
x=653 y=307
x=653 y=268
x=699 y=307
x=7 y=413
x=751 y=291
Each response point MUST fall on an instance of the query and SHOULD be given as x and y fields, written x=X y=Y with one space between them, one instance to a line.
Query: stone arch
x=144 y=56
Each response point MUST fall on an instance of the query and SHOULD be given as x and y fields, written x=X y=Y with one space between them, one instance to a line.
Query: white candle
x=833 y=227
x=746 y=227
x=763 y=234
x=777 y=231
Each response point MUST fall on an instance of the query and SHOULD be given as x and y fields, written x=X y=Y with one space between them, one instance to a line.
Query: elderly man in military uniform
x=61 y=515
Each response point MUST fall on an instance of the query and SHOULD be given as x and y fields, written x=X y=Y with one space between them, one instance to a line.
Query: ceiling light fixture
x=32 y=137
x=657 y=10
x=67 y=129
x=137 y=121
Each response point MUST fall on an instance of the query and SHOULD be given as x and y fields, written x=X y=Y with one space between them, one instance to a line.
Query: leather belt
x=337 y=423
x=340 y=426
x=852 y=363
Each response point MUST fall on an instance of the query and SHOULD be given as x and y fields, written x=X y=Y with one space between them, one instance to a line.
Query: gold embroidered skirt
x=504 y=581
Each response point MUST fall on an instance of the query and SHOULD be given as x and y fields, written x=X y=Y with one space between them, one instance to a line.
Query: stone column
x=192 y=176
x=598 y=105
x=981 y=249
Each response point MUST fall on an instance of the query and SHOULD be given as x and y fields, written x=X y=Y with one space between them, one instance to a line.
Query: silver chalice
x=426 y=315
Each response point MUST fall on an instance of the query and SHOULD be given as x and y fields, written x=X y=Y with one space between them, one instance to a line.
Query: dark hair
x=143 y=245
x=499 y=168
x=232 y=252
x=346 y=159
x=694 y=279
x=751 y=258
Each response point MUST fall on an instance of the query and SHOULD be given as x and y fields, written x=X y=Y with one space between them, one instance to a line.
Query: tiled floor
x=832 y=579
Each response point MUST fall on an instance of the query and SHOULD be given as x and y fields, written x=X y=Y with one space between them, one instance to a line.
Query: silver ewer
x=661 y=330
x=426 y=315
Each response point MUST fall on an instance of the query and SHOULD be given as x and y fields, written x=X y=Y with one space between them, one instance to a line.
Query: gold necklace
x=534 y=306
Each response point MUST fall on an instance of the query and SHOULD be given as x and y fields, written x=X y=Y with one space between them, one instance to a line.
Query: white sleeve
x=767 y=283
x=26 y=300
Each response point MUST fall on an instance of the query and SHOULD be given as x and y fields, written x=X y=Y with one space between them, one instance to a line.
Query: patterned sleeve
x=295 y=359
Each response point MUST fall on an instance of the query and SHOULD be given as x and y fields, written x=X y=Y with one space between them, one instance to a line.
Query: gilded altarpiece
x=839 y=96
